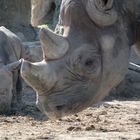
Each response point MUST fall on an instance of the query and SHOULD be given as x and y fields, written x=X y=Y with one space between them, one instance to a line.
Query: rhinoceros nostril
x=60 y=107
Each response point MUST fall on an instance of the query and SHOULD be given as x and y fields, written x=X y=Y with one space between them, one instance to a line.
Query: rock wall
x=16 y=16
x=15 y=13
x=130 y=86
x=45 y=12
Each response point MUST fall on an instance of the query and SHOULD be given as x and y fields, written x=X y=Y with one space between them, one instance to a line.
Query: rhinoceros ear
x=54 y=46
x=13 y=66
x=102 y=12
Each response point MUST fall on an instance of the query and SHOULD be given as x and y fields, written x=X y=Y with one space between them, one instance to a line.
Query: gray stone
x=21 y=36
x=16 y=16
x=130 y=86
x=45 y=12
x=15 y=13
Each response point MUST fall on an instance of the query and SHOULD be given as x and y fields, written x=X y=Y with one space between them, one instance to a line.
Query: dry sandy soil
x=112 y=120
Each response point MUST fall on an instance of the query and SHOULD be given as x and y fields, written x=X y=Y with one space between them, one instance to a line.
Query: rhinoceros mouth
x=61 y=111
x=58 y=105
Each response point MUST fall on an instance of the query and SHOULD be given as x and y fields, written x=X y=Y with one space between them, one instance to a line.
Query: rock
x=45 y=12
x=59 y=29
x=56 y=13
x=21 y=36
x=40 y=9
x=130 y=86
x=33 y=51
x=15 y=13
x=16 y=16
x=28 y=31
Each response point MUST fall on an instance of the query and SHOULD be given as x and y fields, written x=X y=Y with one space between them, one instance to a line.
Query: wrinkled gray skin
x=10 y=83
x=91 y=58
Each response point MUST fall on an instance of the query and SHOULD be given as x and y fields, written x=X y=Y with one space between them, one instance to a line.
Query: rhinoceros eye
x=89 y=62
x=85 y=61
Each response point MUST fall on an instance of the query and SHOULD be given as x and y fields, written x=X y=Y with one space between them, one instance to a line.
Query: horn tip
x=43 y=32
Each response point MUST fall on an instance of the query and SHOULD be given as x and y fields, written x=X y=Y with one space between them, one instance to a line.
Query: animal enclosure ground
x=113 y=120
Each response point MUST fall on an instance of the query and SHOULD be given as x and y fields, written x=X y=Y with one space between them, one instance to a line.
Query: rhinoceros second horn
x=54 y=46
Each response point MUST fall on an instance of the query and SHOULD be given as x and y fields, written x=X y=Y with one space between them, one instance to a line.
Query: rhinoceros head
x=82 y=66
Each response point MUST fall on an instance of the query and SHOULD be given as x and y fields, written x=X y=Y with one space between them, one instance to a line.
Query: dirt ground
x=112 y=120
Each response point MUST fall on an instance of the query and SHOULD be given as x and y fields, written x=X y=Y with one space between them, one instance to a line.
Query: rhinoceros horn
x=13 y=66
x=54 y=46
x=101 y=12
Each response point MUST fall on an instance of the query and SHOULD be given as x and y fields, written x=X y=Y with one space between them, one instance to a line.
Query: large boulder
x=15 y=13
x=16 y=16
x=45 y=12
x=130 y=86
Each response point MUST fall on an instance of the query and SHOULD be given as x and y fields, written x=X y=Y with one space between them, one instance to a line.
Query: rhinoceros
x=10 y=84
x=81 y=67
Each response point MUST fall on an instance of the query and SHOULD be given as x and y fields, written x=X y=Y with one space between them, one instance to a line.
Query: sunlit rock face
x=45 y=12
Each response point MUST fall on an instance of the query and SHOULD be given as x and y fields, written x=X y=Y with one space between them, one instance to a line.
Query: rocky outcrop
x=16 y=16
x=130 y=86
x=45 y=12
x=14 y=13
